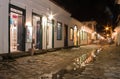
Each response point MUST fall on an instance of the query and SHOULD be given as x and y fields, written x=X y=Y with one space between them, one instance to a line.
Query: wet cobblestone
x=105 y=66
x=34 y=67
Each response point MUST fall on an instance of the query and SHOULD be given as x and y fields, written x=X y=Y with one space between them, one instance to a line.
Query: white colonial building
x=41 y=24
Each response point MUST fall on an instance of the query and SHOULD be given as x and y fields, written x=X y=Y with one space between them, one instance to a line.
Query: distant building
x=82 y=32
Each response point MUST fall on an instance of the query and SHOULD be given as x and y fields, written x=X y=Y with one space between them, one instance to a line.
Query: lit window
x=59 y=31
x=71 y=33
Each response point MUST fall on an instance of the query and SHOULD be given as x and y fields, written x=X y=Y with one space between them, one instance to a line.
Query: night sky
x=102 y=11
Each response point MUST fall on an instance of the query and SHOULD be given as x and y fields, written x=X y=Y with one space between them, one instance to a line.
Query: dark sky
x=103 y=11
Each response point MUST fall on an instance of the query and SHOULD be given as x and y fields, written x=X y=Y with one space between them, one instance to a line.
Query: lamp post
x=108 y=29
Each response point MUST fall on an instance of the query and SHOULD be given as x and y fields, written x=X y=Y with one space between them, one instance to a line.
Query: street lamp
x=108 y=29
x=50 y=16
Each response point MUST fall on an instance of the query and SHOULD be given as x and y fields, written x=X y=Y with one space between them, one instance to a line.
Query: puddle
x=76 y=67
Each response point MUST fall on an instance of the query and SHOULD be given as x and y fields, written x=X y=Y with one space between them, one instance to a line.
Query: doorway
x=49 y=34
x=65 y=35
x=37 y=31
x=75 y=36
x=17 y=29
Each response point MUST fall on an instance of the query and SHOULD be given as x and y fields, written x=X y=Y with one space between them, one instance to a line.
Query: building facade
x=80 y=33
x=27 y=23
x=38 y=24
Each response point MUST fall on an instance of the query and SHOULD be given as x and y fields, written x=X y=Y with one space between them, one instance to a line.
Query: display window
x=13 y=31
x=17 y=35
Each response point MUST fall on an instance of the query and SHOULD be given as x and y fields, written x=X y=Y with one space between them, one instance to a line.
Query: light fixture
x=107 y=28
x=50 y=17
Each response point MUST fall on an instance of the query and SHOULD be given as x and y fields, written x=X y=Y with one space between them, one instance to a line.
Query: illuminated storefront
x=32 y=23
x=17 y=29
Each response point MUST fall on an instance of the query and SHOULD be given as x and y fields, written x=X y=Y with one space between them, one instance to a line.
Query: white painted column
x=44 y=34
x=28 y=20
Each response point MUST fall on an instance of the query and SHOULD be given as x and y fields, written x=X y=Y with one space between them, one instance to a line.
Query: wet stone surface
x=64 y=64
x=42 y=66
x=105 y=66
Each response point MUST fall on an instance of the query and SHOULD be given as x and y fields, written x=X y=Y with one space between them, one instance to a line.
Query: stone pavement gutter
x=34 y=67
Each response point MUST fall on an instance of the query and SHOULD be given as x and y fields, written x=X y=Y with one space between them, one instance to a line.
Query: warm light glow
x=98 y=36
x=82 y=28
x=75 y=28
x=102 y=38
x=44 y=19
x=107 y=35
x=28 y=24
x=50 y=17
x=71 y=34
x=95 y=33
x=107 y=28
x=78 y=34
x=114 y=34
x=86 y=29
x=75 y=35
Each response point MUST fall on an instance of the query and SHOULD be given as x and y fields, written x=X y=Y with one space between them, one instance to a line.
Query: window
x=83 y=35
x=17 y=29
x=59 y=31
x=71 y=33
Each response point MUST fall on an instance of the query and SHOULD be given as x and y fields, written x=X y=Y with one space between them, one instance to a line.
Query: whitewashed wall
x=43 y=7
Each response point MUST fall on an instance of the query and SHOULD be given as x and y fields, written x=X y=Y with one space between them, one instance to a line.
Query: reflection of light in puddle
x=78 y=65
x=85 y=59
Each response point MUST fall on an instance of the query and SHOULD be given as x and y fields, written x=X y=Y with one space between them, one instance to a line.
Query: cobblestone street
x=34 y=67
x=106 y=65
